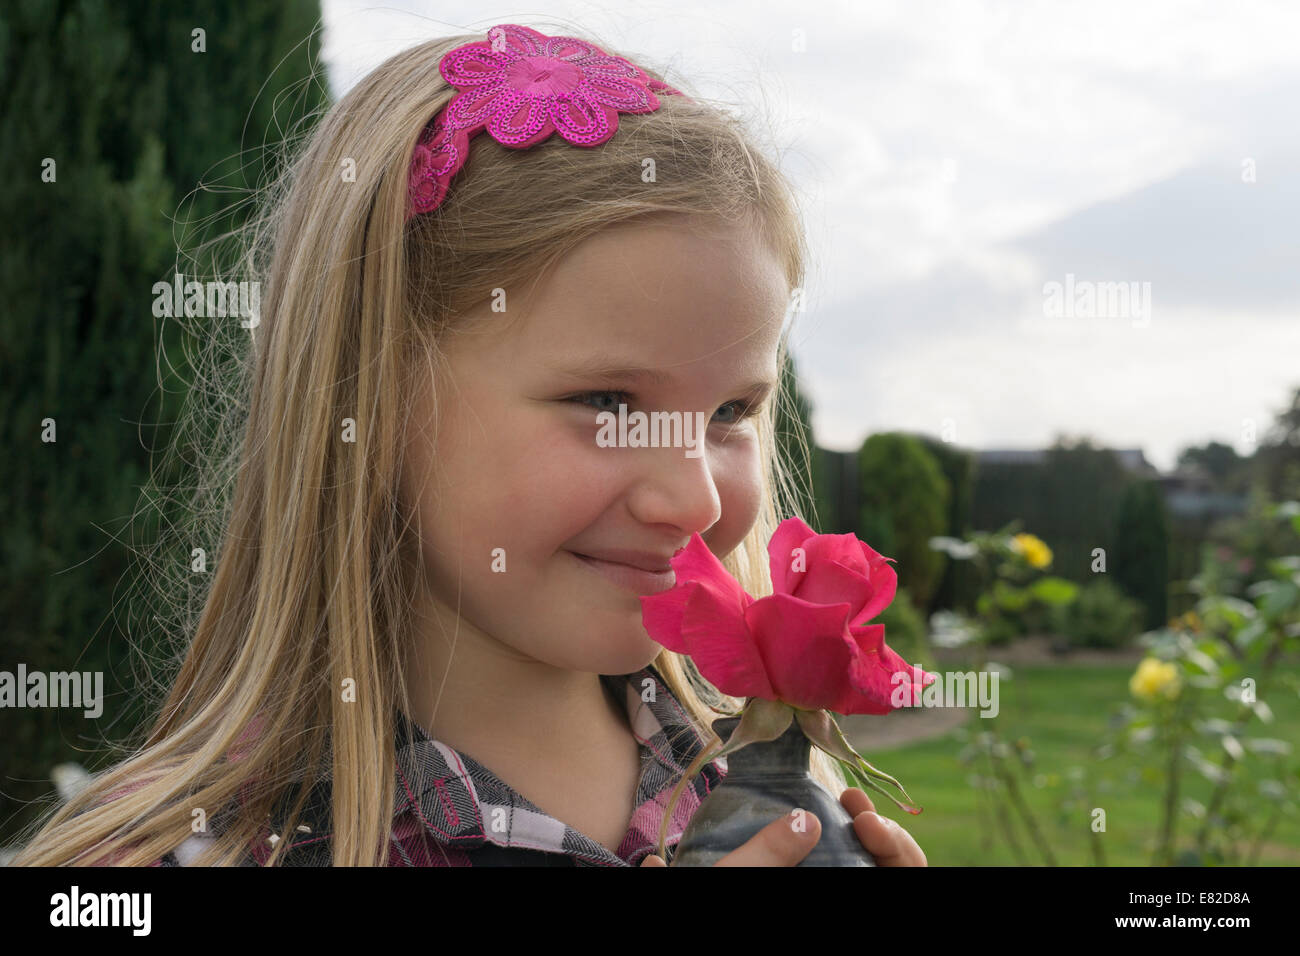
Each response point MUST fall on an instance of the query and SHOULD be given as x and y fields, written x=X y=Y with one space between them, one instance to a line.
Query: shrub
x=1101 y=616
x=903 y=504
x=1142 y=550
x=1002 y=630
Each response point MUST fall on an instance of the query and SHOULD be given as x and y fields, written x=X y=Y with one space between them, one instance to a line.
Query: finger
x=855 y=800
x=653 y=860
x=887 y=841
x=783 y=842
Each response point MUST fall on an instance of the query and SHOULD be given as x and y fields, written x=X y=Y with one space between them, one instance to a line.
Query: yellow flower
x=1034 y=550
x=1154 y=678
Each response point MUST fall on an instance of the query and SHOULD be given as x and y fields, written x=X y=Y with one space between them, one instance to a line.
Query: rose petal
x=884 y=584
x=721 y=645
x=873 y=670
x=697 y=562
x=703 y=616
x=694 y=566
x=661 y=615
x=806 y=648
x=790 y=534
x=879 y=580
x=829 y=582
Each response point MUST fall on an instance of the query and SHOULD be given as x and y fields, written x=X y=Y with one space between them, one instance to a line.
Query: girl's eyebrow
x=616 y=369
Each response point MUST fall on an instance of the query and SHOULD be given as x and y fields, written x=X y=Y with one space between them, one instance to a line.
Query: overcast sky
x=953 y=159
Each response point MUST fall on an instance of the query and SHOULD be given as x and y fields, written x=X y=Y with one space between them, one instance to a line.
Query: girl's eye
x=741 y=409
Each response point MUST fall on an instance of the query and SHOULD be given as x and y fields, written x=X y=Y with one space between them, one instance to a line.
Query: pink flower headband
x=522 y=86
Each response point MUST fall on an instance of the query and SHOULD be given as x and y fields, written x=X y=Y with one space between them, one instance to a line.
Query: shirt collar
x=463 y=804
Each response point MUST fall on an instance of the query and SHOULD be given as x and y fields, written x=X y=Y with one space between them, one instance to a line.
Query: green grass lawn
x=1064 y=711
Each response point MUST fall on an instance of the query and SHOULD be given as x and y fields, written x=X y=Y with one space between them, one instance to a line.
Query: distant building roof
x=1200 y=504
x=1188 y=491
x=1010 y=456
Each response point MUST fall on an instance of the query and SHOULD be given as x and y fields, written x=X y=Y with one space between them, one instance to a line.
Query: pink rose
x=808 y=644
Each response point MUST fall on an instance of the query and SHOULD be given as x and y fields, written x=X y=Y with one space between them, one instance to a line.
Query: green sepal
x=819 y=726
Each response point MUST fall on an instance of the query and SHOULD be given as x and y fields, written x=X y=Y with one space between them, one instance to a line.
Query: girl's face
x=514 y=484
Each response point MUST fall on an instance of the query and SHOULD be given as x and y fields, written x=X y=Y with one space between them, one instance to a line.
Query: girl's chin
x=618 y=654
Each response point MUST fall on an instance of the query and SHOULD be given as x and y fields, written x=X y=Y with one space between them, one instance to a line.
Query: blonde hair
x=315 y=562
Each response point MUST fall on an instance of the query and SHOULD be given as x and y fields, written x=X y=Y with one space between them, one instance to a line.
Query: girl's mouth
x=628 y=577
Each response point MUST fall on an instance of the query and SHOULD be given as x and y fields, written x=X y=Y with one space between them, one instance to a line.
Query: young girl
x=421 y=642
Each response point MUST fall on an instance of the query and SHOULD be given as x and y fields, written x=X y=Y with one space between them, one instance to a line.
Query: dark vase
x=766 y=781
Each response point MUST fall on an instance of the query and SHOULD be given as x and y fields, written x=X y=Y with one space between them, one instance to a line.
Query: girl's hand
x=885 y=839
x=777 y=844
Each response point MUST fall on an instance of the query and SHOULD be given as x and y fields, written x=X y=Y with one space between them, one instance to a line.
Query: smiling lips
x=636 y=579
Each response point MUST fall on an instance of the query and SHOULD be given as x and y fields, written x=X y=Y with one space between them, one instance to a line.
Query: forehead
x=666 y=293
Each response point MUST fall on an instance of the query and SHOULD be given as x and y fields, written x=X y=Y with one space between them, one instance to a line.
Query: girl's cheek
x=739 y=480
x=563 y=465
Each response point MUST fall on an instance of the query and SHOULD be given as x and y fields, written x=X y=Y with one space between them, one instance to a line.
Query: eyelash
x=746 y=409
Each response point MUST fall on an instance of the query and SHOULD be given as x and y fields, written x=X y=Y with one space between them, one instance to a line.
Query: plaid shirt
x=450 y=810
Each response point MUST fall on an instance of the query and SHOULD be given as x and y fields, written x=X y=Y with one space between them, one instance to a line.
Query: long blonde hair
x=315 y=561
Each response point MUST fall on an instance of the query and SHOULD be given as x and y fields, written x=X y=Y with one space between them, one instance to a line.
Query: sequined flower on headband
x=522 y=86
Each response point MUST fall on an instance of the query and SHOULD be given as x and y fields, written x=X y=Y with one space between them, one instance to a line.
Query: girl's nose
x=676 y=490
